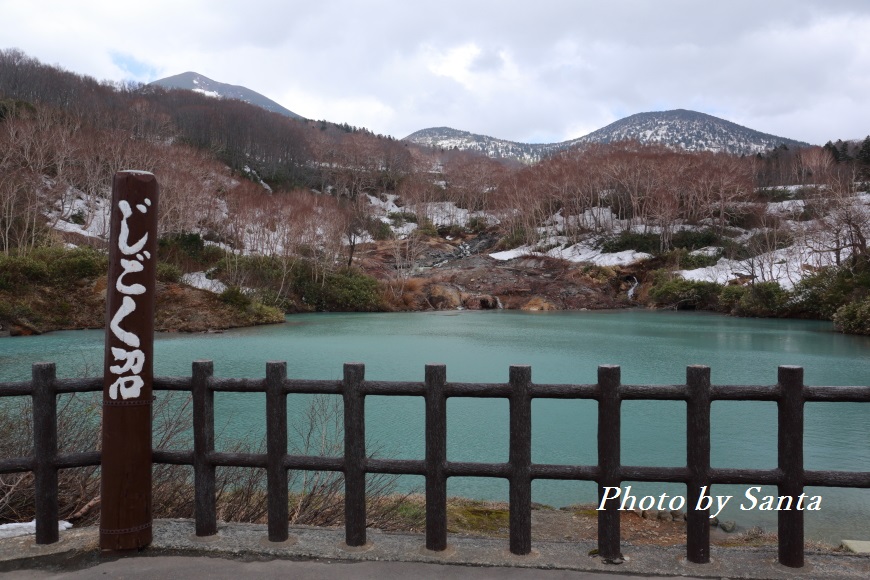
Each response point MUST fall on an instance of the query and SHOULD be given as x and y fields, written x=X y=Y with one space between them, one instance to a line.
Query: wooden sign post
x=125 y=521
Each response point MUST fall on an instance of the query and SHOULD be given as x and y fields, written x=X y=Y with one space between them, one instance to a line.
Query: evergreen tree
x=843 y=148
x=863 y=155
x=829 y=147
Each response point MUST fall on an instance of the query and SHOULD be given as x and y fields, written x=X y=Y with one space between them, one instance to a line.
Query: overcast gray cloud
x=534 y=71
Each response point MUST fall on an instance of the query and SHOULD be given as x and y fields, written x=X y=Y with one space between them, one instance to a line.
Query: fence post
x=128 y=374
x=698 y=462
x=609 y=405
x=520 y=512
x=354 y=455
x=276 y=449
x=45 y=451
x=791 y=463
x=436 y=458
x=205 y=508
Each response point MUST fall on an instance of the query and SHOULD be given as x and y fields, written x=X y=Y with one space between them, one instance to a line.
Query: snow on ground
x=786 y=266
x=708 y=251
x=786 y=208
x=384 y=207
x=256 y=177
x=25 y=529
x=93 y=214
x=199 y=280
x=212 y=94
x=581 y=252
x=586 y=253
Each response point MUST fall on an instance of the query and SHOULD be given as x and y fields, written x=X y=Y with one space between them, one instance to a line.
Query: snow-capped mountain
x=194 y=81
x=691 y=131
x=688 y=130
x=447 y=138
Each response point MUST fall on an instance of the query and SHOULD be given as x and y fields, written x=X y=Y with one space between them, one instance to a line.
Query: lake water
x=651 y=347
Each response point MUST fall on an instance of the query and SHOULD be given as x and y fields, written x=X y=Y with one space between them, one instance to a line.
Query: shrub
x=427 y=228
x=452 y=230
x=515 y=238
x=188 y=251
x=477 y=224
x=822 y=293
x=51 y=265
x=649 y=243
x=764 y=299
x=235 y=297
x=380 y=230
x=77 y=217
x=694 y=240
x=400 y=218
x=729 y=298
x=683 y=259
x=683 y=294
x=853 y=318
x=169 y=273
x=350 y=290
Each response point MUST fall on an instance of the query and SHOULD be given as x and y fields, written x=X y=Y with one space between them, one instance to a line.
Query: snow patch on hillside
x=201 y=281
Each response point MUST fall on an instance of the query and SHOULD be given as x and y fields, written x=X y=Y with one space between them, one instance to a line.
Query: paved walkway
x=219 y=569
x=242 y=550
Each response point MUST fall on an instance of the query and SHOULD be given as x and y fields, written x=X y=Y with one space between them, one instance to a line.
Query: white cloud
x=546 y=71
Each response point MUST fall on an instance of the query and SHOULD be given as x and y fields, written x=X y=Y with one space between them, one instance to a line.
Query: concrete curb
x=78 y=549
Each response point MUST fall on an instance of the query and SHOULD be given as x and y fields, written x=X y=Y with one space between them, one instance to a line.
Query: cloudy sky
x=539 y=71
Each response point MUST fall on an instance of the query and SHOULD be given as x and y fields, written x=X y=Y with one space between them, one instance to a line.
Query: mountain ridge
x=689 y=130
x=194 y=81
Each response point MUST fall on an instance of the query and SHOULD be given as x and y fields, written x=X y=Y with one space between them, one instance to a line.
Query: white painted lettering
x=133 y=360
x=129 y=387
x=127 y=307
x=123 y=244
x=128 y=267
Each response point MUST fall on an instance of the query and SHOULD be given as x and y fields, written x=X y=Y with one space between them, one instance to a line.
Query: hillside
x=352 y=221
x=687 y=130
x=447 y=138
x=196 y=82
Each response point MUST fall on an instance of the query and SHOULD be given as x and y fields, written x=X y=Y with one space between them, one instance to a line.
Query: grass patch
x=470 y=516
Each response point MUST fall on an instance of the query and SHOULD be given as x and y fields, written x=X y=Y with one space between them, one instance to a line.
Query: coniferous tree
x=863 y=158
x=830 y=148
x=843 y=148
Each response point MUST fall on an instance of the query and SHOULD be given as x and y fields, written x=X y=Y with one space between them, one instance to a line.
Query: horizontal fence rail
x=790 y=477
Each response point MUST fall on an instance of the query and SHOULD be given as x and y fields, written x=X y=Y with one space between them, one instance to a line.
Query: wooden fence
x=790 y=477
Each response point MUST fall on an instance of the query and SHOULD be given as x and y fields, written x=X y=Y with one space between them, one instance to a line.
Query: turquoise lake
x=651 y=348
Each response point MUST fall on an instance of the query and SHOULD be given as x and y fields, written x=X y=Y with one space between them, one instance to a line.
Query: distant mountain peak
x=682 y=128
x=194 y=81
x=689 y=130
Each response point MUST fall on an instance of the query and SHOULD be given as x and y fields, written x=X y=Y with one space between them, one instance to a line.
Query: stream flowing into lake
x=562 y=347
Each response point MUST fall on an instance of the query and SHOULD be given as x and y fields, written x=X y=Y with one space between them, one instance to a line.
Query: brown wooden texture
x=436 y=458
x=791 y=462
x=354 y=455
x=45 y=451
x=125 y=521
x=790 y=476
x=698 y=461
x=609 y=449
x=520 y=459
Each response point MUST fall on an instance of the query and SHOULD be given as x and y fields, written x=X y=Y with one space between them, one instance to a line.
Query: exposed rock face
x=454 y=273
x=444 y=297
x=517 y=283
x=538 y=304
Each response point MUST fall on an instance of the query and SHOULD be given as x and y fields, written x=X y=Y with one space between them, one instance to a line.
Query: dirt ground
x=580 y=523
